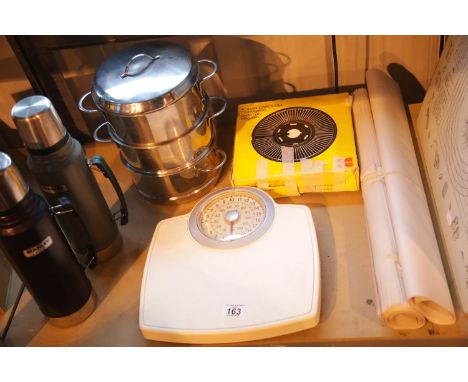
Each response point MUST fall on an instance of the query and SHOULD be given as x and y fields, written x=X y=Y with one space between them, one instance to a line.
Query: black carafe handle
x=88 y=258
x=102 y=166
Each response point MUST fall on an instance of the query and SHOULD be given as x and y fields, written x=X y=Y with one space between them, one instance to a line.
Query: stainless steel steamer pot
x=158 y=114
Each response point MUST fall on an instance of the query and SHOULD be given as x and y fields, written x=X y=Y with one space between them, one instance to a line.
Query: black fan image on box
x=307 y=130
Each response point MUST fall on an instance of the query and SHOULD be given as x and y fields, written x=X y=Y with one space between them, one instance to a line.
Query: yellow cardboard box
x=291 y=146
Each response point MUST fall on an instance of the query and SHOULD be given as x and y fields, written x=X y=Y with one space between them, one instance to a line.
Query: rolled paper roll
x=392 y=303
x=418 y=253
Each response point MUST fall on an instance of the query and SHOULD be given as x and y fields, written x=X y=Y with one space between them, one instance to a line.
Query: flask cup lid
x=13 y=188
x=37 y=122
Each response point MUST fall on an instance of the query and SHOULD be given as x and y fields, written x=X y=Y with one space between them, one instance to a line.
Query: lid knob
x=13 y=188
x=37 y=122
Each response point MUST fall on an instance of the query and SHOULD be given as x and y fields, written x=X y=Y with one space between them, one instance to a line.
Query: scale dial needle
x=231 y=217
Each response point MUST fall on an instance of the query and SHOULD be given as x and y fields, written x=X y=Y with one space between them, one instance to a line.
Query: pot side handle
x=82 y=108
x=222 y=108
x=222 y=161
x=96 y=133
x=214 y=70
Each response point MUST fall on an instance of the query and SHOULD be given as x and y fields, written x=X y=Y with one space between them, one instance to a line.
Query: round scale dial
x=231 y=217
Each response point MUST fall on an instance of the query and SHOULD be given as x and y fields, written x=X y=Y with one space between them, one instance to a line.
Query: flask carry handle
x=65 y=207
x=101 y=165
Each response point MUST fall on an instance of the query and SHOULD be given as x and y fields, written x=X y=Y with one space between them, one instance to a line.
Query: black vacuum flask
x=39 y=252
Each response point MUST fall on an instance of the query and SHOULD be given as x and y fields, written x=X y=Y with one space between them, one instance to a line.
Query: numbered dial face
x=232 y=217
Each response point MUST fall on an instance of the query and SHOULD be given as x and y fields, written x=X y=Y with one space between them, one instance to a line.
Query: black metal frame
x=37 y=58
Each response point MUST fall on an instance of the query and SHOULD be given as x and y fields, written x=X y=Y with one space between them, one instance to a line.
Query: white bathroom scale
x=239 y=267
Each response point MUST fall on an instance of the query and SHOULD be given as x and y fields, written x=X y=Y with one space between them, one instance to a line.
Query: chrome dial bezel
x=205 y=240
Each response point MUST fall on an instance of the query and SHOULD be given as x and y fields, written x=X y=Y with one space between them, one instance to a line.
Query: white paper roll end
x=403 y=317
x=433 y=311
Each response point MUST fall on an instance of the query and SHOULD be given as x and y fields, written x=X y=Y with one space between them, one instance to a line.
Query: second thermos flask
x=58 y=163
